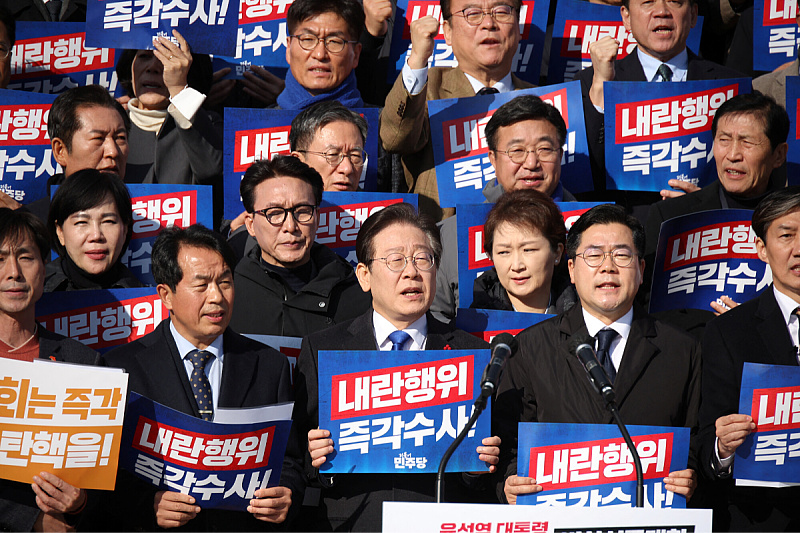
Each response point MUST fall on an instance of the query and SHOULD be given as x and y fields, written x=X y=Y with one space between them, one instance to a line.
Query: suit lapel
x=639 y=350
x=773 y=332
x=573 y=327
x=455 y=84
x=239 y=365
x=439 y=336
x=363 y=332
x=630 y=69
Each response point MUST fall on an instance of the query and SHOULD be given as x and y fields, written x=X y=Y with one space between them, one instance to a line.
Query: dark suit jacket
x=35 y=10
x=352 y=502
x=630 y=69
x=253 y=375
x=18 y=509
x=753 y=332
x=405 y=129
x=658 y=381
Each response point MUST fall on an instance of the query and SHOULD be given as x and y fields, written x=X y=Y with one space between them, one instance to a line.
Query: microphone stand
x=611 y=405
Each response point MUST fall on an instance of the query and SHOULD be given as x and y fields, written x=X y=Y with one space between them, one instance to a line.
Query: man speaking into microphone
x=653 y=367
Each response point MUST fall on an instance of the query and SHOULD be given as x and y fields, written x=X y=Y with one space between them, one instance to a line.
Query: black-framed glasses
x=545 y=154
x=334 y=158
x=309 y=41
x=474 y=15
x=397 y=262
x=302 y=214
x=595 y=257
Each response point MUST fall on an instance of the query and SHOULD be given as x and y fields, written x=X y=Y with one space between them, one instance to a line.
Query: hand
x=604 y=56
x=489 y=453
x=726 y=305
x=220 y=89
x=377 y=14
x=123 y=101
x=682 y=482
x=516 y=485
x=271 y=505
x=682 y=186
x=174 y=509
x=262 y=84
x=238 y=222
x=7 y=201
x=319 y=445
x=423 y=33
x=51 y=523
x=176 y=60
x=731 y=432
x=54 y=495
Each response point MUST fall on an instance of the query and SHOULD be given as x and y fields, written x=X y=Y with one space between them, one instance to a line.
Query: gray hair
x=319 y=115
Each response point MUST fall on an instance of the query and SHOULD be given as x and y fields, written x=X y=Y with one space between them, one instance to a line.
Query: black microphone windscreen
x=504 y=338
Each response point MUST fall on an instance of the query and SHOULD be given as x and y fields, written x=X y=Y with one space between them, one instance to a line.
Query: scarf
x=145 y=119
x=295 y=96
x=84 y=280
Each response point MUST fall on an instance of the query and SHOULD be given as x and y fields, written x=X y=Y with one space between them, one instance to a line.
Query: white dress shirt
x=415 y=79
x=621 y=326
x=418 y=331
x=213 y=367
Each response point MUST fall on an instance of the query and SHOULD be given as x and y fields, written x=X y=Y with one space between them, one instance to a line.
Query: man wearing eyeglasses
x=484 y=35
x=398 y=253
x=7 y=37
x=330 y=138
x=654 y=368
x=289 y=285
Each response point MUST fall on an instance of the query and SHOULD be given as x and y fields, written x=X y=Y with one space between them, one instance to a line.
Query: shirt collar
x=383 y=328
x=786 y=304
x=678 y=64
x=503 y=86
x=621 y=326
x=185 y=347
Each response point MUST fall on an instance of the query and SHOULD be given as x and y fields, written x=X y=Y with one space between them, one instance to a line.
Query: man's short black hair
x=16 y=225
x=11 y=25
x=64 y=121
x=446 y=13
x=773 y=207
x=200 y=76
x=772 y=115
x=350 y=11
x=306 y=124
x=526 y=107
x=605 y=214
x=280 y=166
x=165 y=264
x=85 y=189
x=391 y=215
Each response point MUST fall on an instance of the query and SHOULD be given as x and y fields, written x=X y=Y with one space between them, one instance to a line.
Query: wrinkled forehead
x=22 y=239
x=745 y=123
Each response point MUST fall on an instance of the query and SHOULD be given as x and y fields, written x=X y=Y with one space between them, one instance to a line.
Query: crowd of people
x=681 y=368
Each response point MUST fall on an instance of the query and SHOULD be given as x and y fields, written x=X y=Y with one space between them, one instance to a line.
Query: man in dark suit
x=484 y=36
x=655 y=368
x=763 y=330
x=397 y=253
x=194 y=272
x=23 y=247
x=660 y=28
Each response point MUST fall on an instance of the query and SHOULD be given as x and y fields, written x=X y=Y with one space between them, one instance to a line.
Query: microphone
x=503 y=345
x=595 y=372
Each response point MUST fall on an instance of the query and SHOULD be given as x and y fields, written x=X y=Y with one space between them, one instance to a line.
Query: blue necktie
x=604 y=339
x=200 y=385
x=398 y=339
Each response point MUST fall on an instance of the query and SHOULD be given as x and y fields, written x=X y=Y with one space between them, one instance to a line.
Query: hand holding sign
x=516 y=485
x=54 y=495
x=319 y=446
x=262 y=84
x=489 y=452
x=604 y=57
x=423 y=33
x=174 y=509
x=176 y=60
x=682 y=482
x=731 y=432
x=683 y=187
x=271 y=505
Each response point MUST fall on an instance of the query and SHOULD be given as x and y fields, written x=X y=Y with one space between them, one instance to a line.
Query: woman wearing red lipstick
x=524 y=237
x=90 y=224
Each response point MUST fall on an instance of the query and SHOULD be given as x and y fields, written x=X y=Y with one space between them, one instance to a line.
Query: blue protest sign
x=589 y=465
x=159 y=206
x=101 y=319
x=209 y=26
x=578 y=24
x=252 y=134
x=342 y=213
x=488 y=323
x=26 y=159
x=387 y=417
x=527 y=61
x=220 y=465
x=667 y=134
x=775 y=37
x=461 y=154
x=793 y=155
x=52 y=58
x=703 y=256
x=769 y=394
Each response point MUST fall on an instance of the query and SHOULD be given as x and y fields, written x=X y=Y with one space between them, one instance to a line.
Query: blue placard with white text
x=488 y=323
x=220 y=465
x=589 y=465
x=793 y=154
x=655 y=132
x=775 y=33
x=705 y=255
x=209 y=26
x=769 y=394
x=527 y=60
x=388 y=415
x=252 y=134
x=461 y=154
x=578 y=24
